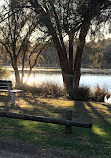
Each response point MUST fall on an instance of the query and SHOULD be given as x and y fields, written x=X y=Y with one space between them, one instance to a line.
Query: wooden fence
x=67 y=122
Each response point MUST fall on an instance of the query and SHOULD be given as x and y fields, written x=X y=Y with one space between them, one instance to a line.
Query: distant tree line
x=96 y=55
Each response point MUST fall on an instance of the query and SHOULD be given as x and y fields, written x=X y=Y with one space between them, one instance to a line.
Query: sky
x=1 y=2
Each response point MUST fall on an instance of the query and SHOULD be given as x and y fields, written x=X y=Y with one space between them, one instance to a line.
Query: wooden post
x=45 y=119
x=12 y=94
x=68 y=128
x=13 y=99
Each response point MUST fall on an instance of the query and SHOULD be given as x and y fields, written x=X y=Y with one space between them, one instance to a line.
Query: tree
x=34 y=56
x=16 y=32
x=71 y=18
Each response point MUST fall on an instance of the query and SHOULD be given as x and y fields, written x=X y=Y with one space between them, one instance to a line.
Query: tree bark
x=16 y=71
x=67 y=76
x=71 y=64
x=79 y=52
x=23 y=66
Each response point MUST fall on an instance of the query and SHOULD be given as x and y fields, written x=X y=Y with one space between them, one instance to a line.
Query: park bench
x=6 y=86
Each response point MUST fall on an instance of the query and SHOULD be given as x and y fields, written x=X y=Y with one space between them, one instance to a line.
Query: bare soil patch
x=23 y=150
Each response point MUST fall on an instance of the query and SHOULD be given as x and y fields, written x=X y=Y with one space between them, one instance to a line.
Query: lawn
x=95 y=142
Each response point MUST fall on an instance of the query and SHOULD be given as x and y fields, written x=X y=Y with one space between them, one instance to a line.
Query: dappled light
x=40 y=133
x=99 y=131
x=58 y=102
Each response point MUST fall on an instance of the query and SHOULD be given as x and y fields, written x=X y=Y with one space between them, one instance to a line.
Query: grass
x=95 y=142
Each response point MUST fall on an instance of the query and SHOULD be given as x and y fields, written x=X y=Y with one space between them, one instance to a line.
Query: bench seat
x=13 y=90
x=6 y=86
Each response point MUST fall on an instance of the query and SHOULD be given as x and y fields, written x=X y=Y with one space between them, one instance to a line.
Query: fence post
x=68 y=129
x=13 y=99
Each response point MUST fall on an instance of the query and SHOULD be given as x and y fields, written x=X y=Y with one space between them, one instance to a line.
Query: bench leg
x=13 y=98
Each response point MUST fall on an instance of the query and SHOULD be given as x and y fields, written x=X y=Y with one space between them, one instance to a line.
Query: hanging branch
x=35 y=61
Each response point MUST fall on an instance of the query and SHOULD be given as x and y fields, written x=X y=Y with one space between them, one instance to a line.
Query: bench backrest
x=6 y=84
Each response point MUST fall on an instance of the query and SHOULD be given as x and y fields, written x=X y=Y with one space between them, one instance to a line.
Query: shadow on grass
x=5 y=100
x=98 y=114
x=95 y=141
x=34 y=106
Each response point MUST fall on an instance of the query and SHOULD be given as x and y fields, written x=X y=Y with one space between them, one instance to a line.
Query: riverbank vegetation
x=95 y=142
x=51 y=90
x=46 y=89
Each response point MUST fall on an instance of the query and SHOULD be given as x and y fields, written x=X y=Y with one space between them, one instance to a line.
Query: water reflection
x=39 y=78
x=104 y=81
x=30 y=80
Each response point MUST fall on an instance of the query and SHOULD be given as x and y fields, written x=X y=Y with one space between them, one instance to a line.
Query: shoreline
x=58 y=70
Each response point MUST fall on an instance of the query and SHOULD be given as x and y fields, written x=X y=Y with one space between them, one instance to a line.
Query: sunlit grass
x=99 y=131
x=82 y=142
x=58 y=102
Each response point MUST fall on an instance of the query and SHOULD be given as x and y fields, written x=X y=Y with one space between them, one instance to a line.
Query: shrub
x=51 y=89
x=99 y=94
x=83 y=93
x=45 y=89
x=28 y=89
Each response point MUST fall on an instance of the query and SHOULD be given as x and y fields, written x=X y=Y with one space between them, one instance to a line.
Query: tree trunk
x=69 y=76
x=79 y=52
x=66 y=74
x=29 y=73
x=16 y=71
x=17 y=75
x=23 y=65
x=58 y=43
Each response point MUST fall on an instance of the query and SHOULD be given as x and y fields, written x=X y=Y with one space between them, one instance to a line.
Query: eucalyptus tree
x=17 y=36
x=70 y=18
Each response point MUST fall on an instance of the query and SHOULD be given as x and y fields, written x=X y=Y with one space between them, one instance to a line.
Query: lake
x=91 y=80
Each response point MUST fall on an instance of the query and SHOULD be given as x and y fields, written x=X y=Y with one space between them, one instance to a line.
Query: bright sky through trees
x=1 y=2
x=105 y=30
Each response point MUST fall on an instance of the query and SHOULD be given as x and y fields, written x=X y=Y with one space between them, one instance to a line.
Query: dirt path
x=22 y=150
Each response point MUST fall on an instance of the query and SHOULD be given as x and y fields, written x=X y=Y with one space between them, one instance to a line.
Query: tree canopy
x=16 y=31
x=71 y=19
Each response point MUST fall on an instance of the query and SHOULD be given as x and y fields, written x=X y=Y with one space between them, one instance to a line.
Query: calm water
x=104 y=81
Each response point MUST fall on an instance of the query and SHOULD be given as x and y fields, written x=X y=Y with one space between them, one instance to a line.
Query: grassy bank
x=95 y=142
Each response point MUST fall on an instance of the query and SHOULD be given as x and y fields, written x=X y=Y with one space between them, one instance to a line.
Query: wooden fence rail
x=67 y=123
